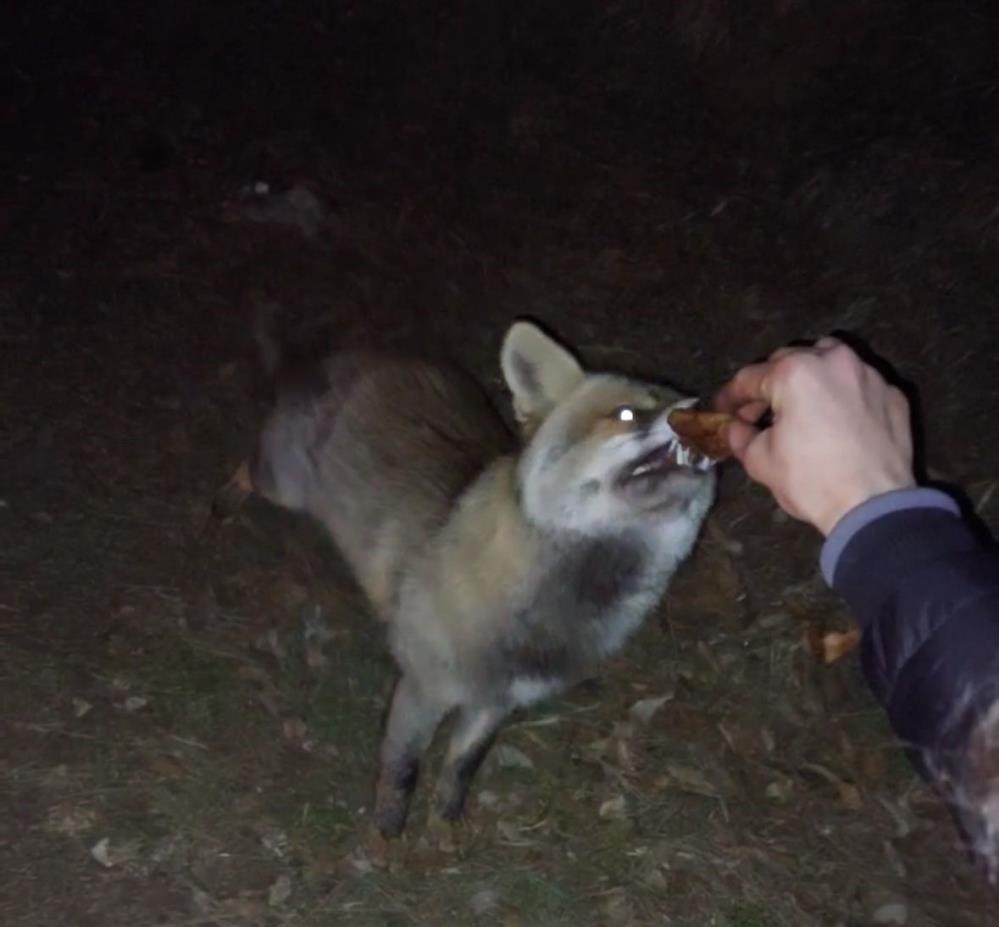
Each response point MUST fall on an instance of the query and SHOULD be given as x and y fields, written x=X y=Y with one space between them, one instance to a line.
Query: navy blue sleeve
x=925 y=592
x=926 y=595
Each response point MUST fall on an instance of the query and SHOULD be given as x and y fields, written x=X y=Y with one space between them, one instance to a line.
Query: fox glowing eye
x=624 y=414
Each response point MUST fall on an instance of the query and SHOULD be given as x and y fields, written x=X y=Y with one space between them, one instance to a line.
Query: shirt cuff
x=876 y=507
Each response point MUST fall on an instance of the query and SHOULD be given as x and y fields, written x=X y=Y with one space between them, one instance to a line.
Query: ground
x=190 y=719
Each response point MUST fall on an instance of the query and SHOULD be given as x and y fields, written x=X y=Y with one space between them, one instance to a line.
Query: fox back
x=380 y=456
x=505 y=569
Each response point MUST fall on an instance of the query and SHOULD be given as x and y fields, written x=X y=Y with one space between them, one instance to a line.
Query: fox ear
x=538 y=370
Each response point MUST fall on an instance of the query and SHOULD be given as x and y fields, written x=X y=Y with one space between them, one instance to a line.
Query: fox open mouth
x=663 y=460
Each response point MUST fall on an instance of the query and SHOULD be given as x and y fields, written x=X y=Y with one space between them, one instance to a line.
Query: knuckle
x=794 y=370
x=845 y=356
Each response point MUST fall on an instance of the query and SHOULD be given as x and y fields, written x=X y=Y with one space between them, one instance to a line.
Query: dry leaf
x=280 y=891
x=167 y=766
x=315 y=659
x=780 y=791
x=275 y=840
x=511 y=834
x=71 y=820
x=849 y=794
x=619 y=750
x=294 y=729
x=101 y=851
x=272 y=643
x=644 y=709
x=316 y=625
x=835 y=645
x=378 y=848
x=253 y=673
x=690 y=780
x=614 y=809
x=618 y=908
x=832 y=647
x=484 y=902
x=202 y=902
x=360 y=862
x=509 y=757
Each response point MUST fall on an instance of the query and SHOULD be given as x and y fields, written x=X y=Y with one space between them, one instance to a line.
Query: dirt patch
x=190 y=726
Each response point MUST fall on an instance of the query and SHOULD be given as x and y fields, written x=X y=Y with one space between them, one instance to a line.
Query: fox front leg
x=474 y=733
x=413 y=717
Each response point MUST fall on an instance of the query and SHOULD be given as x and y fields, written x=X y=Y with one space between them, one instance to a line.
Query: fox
x=506 y=563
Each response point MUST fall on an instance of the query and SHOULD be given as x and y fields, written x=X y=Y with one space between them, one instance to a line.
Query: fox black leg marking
x=412 y=720
x=474 y=733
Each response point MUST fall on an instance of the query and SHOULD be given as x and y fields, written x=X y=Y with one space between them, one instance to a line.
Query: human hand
x=840 y=433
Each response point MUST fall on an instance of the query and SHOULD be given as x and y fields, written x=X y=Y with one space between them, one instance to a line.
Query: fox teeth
x=679 y=453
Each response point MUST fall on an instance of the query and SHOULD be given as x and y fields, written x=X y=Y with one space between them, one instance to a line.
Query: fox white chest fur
x=504 y=573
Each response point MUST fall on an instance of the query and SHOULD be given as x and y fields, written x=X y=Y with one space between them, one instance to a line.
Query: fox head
x=600 y=455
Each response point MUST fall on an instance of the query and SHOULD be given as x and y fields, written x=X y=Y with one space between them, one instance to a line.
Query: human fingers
x=752 y=412
x=757 y=454
x=748 y=385
x=739 y=435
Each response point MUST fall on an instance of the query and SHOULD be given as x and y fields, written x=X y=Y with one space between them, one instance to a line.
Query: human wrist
x=854 y=495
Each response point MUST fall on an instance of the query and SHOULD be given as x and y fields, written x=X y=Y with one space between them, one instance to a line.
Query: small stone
x=483 y=902
x=892 y=912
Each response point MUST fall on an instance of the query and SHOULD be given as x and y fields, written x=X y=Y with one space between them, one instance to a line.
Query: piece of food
x=701 y=431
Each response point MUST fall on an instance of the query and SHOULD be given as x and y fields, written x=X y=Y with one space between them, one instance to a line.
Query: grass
x=538 y=898
x=747 y=914
x=191 y=693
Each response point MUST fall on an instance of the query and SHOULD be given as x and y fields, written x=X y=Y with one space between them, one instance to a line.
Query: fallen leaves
x=506 y=756
x=135 y=703
x=613 y=809
x=688 y=779
x=295 y=730
x=110 y=854
x=167 y=766
x=832 y=646
x=280 y=891
x=849 y=794
x=511 y=836
x=484 y=902
x=646 y=708
x=70 y=819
